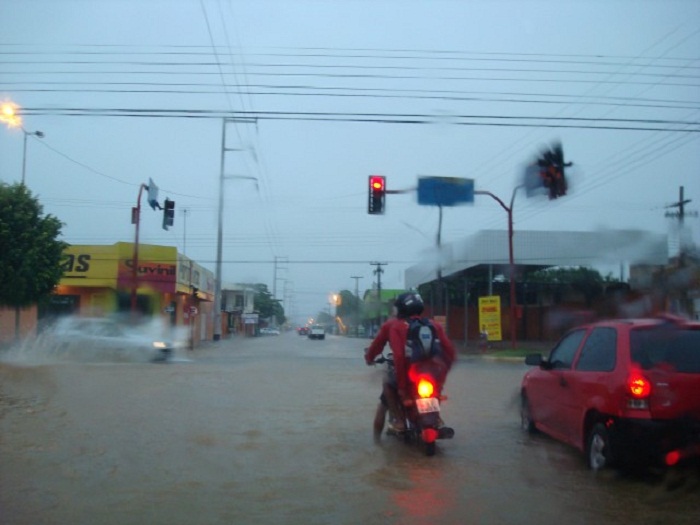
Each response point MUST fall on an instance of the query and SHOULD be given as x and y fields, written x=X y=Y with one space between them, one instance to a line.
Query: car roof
x=645 y=322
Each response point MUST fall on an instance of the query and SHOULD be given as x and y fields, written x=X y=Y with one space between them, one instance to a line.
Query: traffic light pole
x=511 y=260
x=136 y=219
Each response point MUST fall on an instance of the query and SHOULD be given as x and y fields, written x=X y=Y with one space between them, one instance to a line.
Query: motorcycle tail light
x=429 y=435
x=425 y=388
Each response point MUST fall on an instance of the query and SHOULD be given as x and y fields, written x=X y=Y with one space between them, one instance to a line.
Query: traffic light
x=377 y=194
x=168 y=213
x=551 y=165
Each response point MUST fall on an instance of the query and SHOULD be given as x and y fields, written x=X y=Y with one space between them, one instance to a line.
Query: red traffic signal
x=377 y=194
x=376 y=182
x=548 y=173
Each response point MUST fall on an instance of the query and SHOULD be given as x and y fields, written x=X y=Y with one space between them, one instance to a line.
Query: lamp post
x=511 y=261
x=357 y=304
x=8 y=115
x=39 y=134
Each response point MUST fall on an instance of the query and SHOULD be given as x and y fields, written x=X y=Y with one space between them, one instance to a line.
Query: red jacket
x=395 y=331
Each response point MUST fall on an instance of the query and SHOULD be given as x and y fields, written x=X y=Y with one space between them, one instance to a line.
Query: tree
x=586 y=281
x=349 y=308
x=266 y=305
x=30 y=259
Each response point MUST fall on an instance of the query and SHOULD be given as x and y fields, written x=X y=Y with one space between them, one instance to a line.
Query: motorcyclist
x=394 y=331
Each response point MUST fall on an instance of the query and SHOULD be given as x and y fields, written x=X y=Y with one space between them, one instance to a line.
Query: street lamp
x=39 y=134
x=8 y=115
x=511 y=261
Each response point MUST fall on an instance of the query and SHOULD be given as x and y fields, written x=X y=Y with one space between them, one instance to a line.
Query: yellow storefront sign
x=90 y=266
x=490 y=317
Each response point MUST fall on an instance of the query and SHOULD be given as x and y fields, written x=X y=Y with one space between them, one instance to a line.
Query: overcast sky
x=127 y=90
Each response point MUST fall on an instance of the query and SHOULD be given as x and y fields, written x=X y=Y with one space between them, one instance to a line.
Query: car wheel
x=598 y=450
x=526 y=421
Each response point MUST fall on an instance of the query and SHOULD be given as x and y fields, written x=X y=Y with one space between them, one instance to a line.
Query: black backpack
x=422 y=342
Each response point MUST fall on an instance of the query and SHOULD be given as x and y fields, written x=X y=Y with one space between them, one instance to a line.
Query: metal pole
x=39 y=134
x=24 y=156
x=357 y=304
x=511 y=264
x=511 y=260
x=184 y=233
x=219 y=240
x=440 y=291
x=135 y=259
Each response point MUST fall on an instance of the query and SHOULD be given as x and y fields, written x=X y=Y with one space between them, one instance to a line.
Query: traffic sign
x=445 y=191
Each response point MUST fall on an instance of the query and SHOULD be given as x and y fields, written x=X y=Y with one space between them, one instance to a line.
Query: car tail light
x=673 y=458
x=639 y=387
x=425 y=388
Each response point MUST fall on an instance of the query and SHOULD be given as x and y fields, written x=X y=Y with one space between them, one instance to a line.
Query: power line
x=384 y=118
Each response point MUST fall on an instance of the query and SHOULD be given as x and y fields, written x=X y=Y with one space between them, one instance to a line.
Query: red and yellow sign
x=156 y=270
x=490 y=317
x=112 y=267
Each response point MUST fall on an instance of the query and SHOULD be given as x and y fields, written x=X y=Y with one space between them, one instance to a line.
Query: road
x=278 y=430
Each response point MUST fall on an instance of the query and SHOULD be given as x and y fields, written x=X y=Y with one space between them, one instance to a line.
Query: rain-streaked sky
x=325 y=93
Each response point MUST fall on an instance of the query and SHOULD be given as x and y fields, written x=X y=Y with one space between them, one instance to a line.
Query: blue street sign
x=445 y=191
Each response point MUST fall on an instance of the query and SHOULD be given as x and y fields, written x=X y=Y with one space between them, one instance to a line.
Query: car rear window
x=674 y=347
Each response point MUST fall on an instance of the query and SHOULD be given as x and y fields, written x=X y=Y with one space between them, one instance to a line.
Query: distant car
x=317 y=332
x=105 y=339
x=624 y=392
x=303 y=330
x=269 y=331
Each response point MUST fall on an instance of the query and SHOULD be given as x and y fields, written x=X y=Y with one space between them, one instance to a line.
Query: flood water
x=279 y=430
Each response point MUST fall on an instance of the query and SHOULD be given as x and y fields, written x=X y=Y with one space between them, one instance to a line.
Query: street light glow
x=9 y=115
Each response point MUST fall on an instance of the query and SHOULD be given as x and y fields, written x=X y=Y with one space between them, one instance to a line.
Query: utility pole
x=220 y=221
x=680 y=215
x=274 y=281
x=357 y=304
x=378 y=272
x=184 y=233
x=219 y=237
x=274 y=274
x=680 y=204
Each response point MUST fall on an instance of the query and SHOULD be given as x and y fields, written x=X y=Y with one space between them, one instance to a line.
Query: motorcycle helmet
x=408 y=304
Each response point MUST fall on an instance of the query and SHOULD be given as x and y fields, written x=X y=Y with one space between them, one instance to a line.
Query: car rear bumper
x=652 y=440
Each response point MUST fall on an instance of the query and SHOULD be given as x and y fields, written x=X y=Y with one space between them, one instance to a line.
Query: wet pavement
x=278 y=429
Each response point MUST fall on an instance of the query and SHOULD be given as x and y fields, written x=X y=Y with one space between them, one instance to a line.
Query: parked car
x=624 y=392
x=317 y=331
x=106 y=339
x=269 y=331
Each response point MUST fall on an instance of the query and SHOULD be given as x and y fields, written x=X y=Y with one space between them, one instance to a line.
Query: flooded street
x=278 y=430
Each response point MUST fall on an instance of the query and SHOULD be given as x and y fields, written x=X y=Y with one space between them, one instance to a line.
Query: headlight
x=160 y=345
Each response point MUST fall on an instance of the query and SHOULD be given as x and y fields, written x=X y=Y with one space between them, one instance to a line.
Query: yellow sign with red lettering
x=490 y=317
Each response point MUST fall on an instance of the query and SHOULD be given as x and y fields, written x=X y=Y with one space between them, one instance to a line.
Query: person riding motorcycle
x=394 y=332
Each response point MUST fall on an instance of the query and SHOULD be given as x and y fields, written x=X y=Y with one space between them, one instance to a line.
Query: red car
x=624 y=392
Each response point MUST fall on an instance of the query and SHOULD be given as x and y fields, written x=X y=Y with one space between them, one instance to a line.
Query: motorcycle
x=421 y=411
